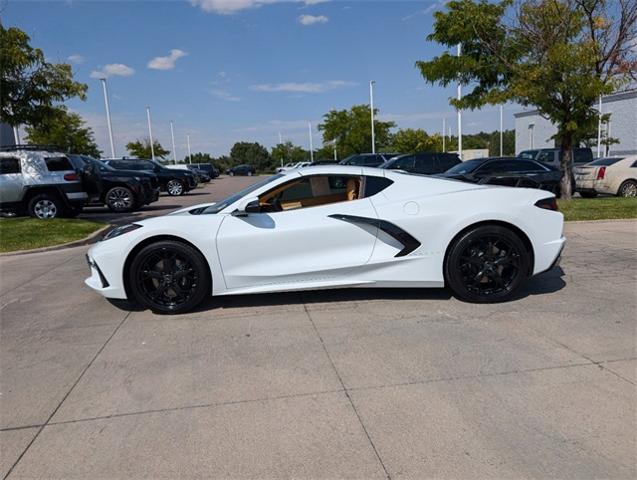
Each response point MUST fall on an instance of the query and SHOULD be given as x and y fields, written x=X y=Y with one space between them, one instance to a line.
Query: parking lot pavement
x=215 y=190
x=357 y=383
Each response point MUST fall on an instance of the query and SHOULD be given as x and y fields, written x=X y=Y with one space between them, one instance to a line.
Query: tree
x=65 y=130
x=411 y=140
x=251 y=153
x=141 y=149
x=352 y=130
x=29 y=85
x=288 y=153
x=557 y=55
x=199 y=157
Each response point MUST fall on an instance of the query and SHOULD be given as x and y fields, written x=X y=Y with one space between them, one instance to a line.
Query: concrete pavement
x=332 y=384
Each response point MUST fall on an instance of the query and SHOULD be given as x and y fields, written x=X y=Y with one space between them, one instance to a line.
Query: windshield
x=354 y=160
x=530 y=154
x=221 y=204
x=464 y=167
x=605 y=162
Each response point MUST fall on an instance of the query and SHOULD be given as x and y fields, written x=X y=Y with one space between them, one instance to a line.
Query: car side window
x=490 y=167
x=58 y=164
x=374 y=185
x=447 y=161
x=546 y=157
x=424 y=164
x=634 y=165
x=311 y=191
x=9 y=165
x=404 y=163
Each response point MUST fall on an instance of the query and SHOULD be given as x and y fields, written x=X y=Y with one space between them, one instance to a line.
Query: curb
x=76 y=243
x=603 y=220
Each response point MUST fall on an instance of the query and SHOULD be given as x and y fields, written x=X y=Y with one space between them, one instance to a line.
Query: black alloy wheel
x=120 y=199
x=486 y=264
x=169 y=277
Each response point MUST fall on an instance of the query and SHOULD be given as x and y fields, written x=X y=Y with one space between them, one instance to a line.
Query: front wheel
x=628 y=189
x=175 y=188
x=169 y=277
x=486 y=264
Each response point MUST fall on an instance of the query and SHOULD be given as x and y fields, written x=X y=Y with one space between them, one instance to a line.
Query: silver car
x=38 y=182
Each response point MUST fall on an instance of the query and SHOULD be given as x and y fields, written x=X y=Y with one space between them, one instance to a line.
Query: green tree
x=352 y=130
x=199 y=157
x=29 y=85
x=141 y=149
x=252 y=153
x=557 y=55
x=65 y=130
x=411 y=140
x=288 y=153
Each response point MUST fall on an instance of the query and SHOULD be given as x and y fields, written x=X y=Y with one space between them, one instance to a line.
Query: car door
x=11 y=182
x=309 y=241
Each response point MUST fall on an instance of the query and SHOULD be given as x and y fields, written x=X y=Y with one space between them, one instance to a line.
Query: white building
x=534 y=131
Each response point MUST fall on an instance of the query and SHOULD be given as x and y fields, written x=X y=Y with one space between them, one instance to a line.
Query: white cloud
x=168 y=62
x=228 y=7
x=75 y=58
x=306 y=87
x=434 y=6
x=224 y=95
x=312 y=19
x=113 y=70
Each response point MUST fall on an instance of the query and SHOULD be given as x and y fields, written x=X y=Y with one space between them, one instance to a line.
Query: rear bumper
x=549 y=255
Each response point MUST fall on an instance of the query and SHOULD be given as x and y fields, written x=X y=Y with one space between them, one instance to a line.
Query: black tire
x=120 y=199
x=486 y=264
x=45 y=206
x=169 y=277
x=627 y=189
x=588 y=194
x=175 y=188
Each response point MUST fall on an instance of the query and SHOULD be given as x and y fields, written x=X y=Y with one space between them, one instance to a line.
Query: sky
x=243 y=70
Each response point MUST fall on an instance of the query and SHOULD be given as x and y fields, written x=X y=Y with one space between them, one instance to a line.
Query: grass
x=603 y=208
x=29 y=233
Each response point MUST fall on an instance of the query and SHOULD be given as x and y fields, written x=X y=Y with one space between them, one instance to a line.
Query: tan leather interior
x=321 y=193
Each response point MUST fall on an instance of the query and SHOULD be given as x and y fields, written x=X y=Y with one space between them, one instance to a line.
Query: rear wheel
x=45 y=206
x=169 y=277
x=175 y=188
x=628 y=189
x=486 y=264
x=120 y=199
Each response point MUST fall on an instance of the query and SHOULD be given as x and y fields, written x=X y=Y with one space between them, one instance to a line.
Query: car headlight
x=121 y=230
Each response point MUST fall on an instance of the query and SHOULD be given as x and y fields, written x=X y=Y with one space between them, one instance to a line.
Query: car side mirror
x=249 y=205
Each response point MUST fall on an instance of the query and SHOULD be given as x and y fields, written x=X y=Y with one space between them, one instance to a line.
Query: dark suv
x=368 y=159
x=174 y=182
x=119 y=190
x=423 y=163
x=209 y=168
x=248 y=170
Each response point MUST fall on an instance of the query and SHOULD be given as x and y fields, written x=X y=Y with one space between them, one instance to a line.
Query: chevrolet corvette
x=334 y=226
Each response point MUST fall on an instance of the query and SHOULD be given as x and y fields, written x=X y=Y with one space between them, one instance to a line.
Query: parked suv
x=368 y=159
x=119 y=190
x=553 y=157
x=40 y=182
x=423 y=163
x=209 y=168
x=174 y=182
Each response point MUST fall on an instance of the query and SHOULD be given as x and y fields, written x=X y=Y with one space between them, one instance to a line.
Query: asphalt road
x=333 y=384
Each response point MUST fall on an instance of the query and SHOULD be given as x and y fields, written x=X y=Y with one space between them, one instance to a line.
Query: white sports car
x=334 y=226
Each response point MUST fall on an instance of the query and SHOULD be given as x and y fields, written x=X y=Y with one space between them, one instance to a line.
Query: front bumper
x=103 y=278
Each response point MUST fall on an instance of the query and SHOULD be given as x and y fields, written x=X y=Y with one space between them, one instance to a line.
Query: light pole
x=150 y=134
x=335 y=154
x=444 y=127
x=599 y=129
x=459 y=111
x=501 y=133
x=189 y=152
x=309 y=128
x=371 y=107
x=108 y=117
x=172 y=135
